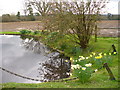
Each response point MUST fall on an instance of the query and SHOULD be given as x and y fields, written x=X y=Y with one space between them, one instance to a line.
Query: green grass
x=10 y=33
x=99 y=79
x=104 y=44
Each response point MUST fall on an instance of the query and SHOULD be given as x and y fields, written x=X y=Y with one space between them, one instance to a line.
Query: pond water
x=31 y=58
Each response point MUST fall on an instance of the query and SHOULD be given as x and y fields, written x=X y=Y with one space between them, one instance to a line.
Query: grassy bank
x=10 y=33
x=99 y=79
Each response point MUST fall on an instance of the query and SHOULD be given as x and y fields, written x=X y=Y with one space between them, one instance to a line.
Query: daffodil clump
x=84 y=67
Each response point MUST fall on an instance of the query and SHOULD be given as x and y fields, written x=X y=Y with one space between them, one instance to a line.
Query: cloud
x=13 y=6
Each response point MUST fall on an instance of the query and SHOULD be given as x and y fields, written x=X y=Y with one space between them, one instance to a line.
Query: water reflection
x=16 y=59
x=53 y=68
x=34 y=44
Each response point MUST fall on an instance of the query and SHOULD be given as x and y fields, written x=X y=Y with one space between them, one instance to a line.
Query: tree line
x=37 y=17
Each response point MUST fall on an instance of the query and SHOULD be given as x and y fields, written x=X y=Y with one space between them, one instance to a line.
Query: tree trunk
x=95 y=33
x=83 y=44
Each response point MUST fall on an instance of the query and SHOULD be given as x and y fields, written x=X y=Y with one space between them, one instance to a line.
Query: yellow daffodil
x=109 y=53
x=93 y=53
x=66 y=60
x=90 y=55
x=105 y=54
x=83 y=68
x=98 y=57
x=115 y=53
x=71 y=59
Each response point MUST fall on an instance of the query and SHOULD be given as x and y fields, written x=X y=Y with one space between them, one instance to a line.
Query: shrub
x=37 y=32
x=9 y=18
x=25 y=31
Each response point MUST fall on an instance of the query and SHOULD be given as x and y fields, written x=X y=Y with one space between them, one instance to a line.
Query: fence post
x=95 y=33
x=114 y=49
x=109 y=71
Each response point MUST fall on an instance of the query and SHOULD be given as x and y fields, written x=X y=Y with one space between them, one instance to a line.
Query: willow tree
x=77 y=19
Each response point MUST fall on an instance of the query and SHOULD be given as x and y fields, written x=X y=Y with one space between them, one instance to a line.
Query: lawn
x=10 y=33
x=100 y=79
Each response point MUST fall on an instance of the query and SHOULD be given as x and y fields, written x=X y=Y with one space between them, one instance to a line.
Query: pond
x=29 y=57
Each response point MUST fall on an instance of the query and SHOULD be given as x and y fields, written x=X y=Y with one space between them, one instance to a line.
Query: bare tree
x=42 y=6
x=76 y=19
x=25 y=8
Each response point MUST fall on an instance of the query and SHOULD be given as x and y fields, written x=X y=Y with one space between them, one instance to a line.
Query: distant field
x=16 y=26
x=109 y=24
x=109 y=27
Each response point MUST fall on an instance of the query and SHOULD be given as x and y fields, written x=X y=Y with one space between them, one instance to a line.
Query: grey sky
x=13 y=6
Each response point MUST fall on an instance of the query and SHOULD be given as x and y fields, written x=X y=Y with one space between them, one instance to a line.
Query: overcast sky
x=13 y=6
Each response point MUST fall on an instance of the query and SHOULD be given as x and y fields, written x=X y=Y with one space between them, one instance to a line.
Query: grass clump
x=25 y=31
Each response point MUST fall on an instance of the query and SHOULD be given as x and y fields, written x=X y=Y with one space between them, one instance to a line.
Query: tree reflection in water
x=34 y=44
x=55 y=68
x=52 y=69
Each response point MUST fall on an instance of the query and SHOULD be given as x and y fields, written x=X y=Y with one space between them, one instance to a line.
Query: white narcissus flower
x=100 y=54
x=96 y=70
x=83 y=68
x=70 y=74
x=81 y=58
x=77 y=66
x=87 y=57
x=88 y=65
x=72 y=67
